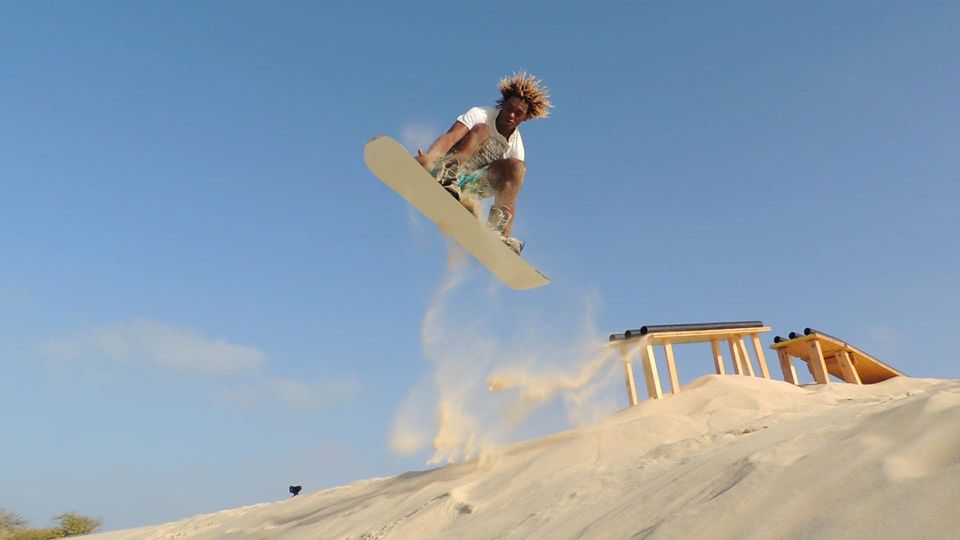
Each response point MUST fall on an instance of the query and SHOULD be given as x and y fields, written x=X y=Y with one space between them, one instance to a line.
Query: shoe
x=498 y=218
x=453 y=188
x=513 y=243
x=446 y=174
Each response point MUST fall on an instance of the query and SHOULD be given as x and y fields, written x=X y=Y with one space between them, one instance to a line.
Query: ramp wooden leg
x=818 y=365
x=735 y=357
x=760 y=358
x=717 y=358
x=671 y=367
x=745 y=357
x=849 y=371
x=786 y=364
x=650 y=371
x=628 y=376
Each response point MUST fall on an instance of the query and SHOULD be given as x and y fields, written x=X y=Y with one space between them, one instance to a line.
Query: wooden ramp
x=644 y=339
x=827 y=355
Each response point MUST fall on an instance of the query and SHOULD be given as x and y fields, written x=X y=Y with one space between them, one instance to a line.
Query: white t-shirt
x=512 y=147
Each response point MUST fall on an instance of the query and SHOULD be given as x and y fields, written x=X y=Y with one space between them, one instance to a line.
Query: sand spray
x=485 y=383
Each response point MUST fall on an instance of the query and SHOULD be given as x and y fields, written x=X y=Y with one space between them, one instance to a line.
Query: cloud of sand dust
x=580 y=389
x=486 y=382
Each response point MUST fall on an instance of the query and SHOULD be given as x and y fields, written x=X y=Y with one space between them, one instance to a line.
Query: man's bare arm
x=442 y=145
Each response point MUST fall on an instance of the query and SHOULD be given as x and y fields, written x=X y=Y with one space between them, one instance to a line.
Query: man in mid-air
x=482 y=155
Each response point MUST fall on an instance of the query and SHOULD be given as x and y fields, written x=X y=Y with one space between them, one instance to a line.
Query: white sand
x=728 y=457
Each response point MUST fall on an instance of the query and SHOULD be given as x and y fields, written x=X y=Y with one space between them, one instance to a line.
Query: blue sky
x=206 y=297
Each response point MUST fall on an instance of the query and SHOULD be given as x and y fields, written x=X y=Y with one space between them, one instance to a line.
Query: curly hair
x=528 y=88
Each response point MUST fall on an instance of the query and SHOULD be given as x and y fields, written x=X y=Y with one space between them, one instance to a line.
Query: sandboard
x=392 y=164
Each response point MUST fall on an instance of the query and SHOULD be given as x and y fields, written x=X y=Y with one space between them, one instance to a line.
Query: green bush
x=74 y=524
x=36 y=534
x=14 y=527
x=10 y=522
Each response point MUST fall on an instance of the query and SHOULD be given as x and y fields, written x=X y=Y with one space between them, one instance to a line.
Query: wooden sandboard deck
x=868 y=368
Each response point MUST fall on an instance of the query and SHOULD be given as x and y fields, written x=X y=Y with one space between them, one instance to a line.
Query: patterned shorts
x=474 y=183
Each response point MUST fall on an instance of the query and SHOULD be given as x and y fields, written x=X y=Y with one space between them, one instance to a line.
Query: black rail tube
x=655 y=328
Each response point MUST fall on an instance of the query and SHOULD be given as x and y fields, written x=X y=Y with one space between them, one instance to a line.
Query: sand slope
x=729 y=457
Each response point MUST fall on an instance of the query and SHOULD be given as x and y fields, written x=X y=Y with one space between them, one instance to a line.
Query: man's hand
x=424 y=159
x=442 y=145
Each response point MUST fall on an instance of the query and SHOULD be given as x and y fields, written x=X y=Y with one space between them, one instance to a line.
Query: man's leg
x=506 y=177
x=447 y=170
x=469 y=145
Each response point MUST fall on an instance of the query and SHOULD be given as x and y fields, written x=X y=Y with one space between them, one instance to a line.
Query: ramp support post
x=847 y=368
x=786 y=364
x=650 y=372
x=628 y=374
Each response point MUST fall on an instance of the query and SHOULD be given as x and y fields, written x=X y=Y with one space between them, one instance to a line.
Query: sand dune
x=728 y=457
